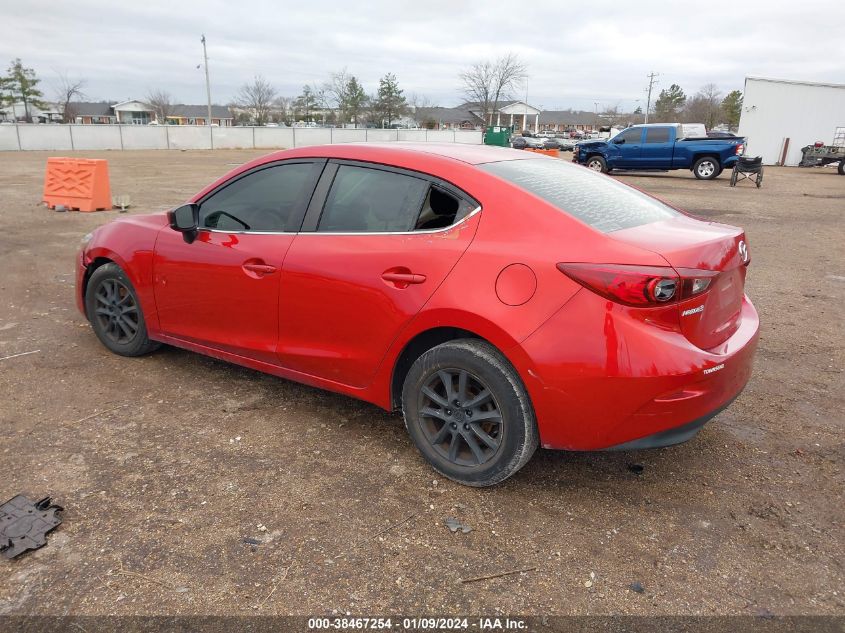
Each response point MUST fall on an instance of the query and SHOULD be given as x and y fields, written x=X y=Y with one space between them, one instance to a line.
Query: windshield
x=595 y=199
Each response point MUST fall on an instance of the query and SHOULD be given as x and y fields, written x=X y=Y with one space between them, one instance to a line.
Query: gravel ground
x=165 y=464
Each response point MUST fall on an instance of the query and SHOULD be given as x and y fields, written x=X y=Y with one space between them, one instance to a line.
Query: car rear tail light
x=640 y=286
x=740 y=148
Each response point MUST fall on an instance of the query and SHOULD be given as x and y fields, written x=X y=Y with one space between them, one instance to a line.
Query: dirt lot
x=166 y=463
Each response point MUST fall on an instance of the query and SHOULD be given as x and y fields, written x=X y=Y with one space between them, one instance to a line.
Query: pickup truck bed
x=658 y=147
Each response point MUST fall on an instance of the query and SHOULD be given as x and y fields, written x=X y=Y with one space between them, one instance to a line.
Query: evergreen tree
x=669 y=104
x=355 y=99
x=732 y=107
x=305 y=103
x=22 y=84
x=390 y=101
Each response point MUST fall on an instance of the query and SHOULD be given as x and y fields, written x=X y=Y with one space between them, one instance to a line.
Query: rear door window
x=595 y=199
x=657 y=135
x=364 y=199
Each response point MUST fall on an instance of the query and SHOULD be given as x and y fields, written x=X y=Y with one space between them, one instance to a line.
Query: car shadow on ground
x=344 y=421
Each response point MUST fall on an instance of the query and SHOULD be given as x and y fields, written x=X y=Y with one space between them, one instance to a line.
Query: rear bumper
x=600 y=379
x=670 y=437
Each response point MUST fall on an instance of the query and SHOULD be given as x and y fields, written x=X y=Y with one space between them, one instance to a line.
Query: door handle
x=259 y=269
x=402 y=280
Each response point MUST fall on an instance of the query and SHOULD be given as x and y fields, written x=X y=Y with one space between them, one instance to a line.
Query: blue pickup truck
x=660 y=147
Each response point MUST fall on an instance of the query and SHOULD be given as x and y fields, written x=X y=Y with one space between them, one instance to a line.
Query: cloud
x=577 y=53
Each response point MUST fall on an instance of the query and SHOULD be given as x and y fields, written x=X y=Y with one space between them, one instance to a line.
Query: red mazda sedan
x=499 y=298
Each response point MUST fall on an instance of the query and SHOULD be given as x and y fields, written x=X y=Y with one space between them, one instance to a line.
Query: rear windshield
x=602 y=202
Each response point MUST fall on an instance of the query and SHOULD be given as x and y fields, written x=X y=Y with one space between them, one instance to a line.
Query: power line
x=652 y=79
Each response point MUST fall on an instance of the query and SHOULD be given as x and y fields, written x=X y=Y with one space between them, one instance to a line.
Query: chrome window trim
x=423 y=231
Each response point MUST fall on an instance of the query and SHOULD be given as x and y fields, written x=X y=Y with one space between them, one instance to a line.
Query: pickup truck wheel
x=597 y=163
x=841 y=169
x=706 y=168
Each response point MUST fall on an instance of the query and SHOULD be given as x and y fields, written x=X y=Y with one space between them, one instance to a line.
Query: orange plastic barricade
x=547 y=152
x=77 y=183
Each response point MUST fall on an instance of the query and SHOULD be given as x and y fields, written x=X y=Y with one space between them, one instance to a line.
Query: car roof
x=386 y=152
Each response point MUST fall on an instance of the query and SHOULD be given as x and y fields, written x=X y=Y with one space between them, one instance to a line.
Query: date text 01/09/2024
x=417 y=624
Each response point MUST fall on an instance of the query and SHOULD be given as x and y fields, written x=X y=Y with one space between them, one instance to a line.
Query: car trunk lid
x=706 y=251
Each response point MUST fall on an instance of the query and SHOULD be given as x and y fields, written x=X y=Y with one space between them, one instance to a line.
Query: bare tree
x=67 y=91
x=705 y=107
x=161 y=103
x=612 y=115
x=337 y=91
x=489 y=82
x=281 y=107
x=257 y=97
x=421 y=108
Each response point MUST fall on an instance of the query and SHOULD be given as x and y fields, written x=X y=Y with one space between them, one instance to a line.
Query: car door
x=657 y=147
x=222 y=290
x=626 y=148
x=375 y=245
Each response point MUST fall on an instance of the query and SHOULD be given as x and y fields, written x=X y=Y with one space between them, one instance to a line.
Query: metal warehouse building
x=779 y=117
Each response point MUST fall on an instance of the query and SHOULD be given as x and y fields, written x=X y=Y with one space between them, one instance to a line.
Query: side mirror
x=619 y=141
x=185 y=219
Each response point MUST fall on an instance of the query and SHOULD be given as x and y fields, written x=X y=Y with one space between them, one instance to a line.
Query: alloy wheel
x=116 y=311
x=460 y=418
x=706 y=169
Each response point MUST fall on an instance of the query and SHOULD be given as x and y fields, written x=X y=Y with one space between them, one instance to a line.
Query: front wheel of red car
x=114 y=311
x=467 y=411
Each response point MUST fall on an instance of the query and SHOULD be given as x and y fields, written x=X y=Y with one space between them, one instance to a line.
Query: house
x=460 y=118
x=134 y=112
x=566 y=120
x=88 y=113
x=17 y=112
x=182 y=114
x=516 y=114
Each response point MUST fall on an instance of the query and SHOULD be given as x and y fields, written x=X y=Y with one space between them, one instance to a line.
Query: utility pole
x=652 y=79
x=207 y=82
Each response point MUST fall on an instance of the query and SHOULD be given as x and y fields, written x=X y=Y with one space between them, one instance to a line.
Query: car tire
x=115 y=314
x=706 y=168
x=597 y=163
x=483 y=439
x=841 y=168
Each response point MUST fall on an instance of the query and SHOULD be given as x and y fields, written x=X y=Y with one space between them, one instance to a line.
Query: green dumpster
x=497 y=135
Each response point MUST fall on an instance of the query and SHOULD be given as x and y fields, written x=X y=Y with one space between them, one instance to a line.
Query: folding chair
x=750 y=168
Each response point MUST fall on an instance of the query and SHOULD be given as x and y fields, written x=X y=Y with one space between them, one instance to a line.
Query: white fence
x=93 y=137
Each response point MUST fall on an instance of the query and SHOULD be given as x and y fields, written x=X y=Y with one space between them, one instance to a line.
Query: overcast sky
x=577 y=53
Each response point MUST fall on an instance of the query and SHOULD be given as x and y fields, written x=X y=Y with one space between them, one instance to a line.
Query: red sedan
x=500 y=299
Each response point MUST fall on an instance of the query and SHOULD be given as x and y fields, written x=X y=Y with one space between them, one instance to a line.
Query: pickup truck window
x=657 y=135
x=632 y=135
x=599 y=201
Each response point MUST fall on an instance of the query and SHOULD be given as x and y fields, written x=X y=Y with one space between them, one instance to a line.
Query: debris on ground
x=251 y=541
x=498 y=575
x=454 y=525
x=636 y=587
x=637 y=469
x=24 y=524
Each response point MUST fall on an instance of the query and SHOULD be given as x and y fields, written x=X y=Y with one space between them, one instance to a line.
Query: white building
x=779 y=117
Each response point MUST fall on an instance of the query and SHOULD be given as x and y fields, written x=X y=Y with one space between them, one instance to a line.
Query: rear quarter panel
x=519 y=228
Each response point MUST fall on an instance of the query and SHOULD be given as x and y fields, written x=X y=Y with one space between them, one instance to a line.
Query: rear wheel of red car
x=706 y=168
x=597 y=163
x=467 y=411
x=115 y=313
